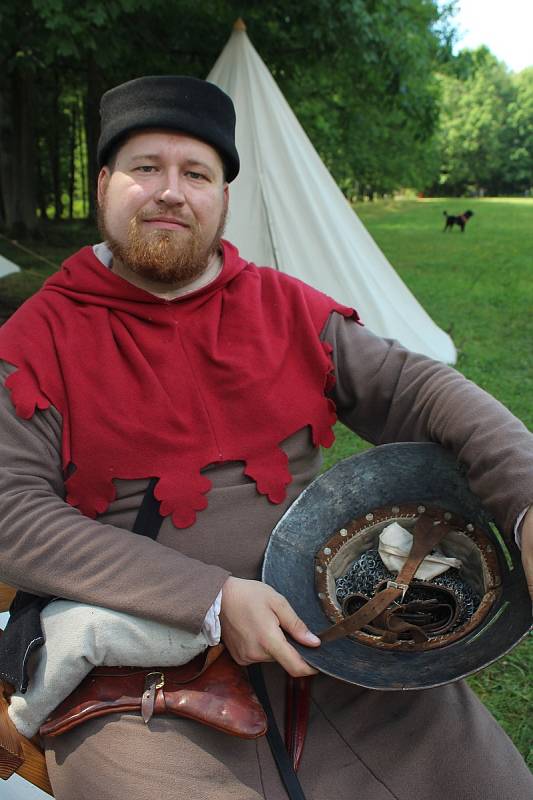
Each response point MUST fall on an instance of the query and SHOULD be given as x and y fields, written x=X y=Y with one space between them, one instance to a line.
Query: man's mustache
x=166 y=218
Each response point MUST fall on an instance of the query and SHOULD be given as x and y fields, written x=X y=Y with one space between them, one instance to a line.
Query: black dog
x=460 y=221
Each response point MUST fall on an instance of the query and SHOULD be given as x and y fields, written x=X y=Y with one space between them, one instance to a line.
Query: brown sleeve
x=47 y=547
x=387 y=394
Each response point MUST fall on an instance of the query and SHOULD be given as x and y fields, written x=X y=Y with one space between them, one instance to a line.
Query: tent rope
x=30 y=252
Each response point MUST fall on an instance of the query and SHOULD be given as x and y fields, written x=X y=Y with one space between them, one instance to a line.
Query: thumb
x=527 y=549
x=528 y=569
x=294 y=626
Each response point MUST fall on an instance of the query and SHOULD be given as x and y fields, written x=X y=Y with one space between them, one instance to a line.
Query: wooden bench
x=18 y=754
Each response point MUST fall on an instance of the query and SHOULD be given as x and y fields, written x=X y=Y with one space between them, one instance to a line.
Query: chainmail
x=366 y=572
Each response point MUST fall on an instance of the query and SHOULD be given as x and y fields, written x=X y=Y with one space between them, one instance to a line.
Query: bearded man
x=161 y=354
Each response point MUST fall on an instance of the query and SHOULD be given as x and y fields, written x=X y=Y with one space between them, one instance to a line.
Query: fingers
x=289 y=658
x=280 y=649
x=253 y=617
x=293 y=625
x=527 y=549
x=528 y=569
x=270 y=644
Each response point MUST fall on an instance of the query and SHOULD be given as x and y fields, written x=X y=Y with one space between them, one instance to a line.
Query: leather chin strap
x=427 y=533
x=297 y=702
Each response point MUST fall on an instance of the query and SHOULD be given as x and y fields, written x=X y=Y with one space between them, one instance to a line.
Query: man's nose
x=170 y=191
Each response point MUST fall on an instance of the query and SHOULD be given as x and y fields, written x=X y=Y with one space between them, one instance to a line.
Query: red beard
x=168 y=257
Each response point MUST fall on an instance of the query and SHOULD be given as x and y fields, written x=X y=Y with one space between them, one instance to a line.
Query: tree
x=17 y=120
x=371 y=106
x=518 y=135
x=485 y=136
x=51 y=43
x=358 y=73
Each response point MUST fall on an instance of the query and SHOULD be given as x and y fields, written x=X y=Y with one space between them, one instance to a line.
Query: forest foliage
x=485 y=133
x=374 y=83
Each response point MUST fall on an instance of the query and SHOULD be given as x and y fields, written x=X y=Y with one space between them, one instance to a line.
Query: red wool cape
x=155 y=388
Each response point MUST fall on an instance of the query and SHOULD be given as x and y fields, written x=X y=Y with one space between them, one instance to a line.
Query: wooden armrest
x=7 y=593
x=20 y=755
x=11 y=753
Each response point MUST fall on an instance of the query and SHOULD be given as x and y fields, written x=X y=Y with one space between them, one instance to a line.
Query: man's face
x=162 y=208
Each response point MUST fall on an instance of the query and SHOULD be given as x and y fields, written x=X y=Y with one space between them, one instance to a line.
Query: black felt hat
x=177 y=102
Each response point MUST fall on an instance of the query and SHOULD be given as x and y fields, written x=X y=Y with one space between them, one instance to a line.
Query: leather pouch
x=212 y=689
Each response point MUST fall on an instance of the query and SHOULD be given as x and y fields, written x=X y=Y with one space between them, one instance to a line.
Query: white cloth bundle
x=395 y=543
x=80 y=637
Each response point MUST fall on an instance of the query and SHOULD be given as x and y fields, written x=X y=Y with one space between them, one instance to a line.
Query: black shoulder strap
x=148 y=520
x=286 y=771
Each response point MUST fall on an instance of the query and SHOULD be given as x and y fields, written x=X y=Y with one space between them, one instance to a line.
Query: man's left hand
x=527 y=549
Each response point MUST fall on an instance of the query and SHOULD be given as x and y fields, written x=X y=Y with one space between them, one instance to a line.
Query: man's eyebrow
x=190 y=162
x=145 y=157
x=197 y=162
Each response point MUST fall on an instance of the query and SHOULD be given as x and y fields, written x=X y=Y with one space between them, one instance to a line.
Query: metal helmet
x=328 y=537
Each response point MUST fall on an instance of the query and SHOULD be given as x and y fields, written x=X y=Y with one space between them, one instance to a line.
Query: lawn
x=478 y=286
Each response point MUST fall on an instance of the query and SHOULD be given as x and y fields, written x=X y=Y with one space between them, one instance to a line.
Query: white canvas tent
x=286 y=211
x=7 y=267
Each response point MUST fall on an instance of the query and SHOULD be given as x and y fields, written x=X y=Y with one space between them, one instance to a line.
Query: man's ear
x=103 y=180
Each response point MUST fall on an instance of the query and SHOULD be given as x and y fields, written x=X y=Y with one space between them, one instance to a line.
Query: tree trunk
x=41 y=192
x=18 y=152
x=92 y=128
x=6 y=155
x=72 y=159
x=24 y=130
x=83 y=162
x=2 y=210
x=54 y=148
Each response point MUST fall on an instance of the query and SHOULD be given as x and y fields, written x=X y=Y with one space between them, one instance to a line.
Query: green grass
x=478 y=286
x=59 y=240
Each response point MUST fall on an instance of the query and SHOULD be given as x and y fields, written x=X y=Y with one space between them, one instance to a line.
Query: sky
x=505 y=26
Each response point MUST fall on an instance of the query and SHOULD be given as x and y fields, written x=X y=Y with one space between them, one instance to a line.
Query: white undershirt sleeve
x=211 y=626
x=518 y=523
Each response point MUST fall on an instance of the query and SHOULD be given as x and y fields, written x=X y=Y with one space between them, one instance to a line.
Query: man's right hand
x=253 y=617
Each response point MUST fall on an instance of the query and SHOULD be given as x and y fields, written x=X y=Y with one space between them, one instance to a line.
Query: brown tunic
x=361 y=744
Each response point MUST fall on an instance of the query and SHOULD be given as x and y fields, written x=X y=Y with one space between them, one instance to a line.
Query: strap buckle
x=157 y=680
x=152 y=682
x=394 y=585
